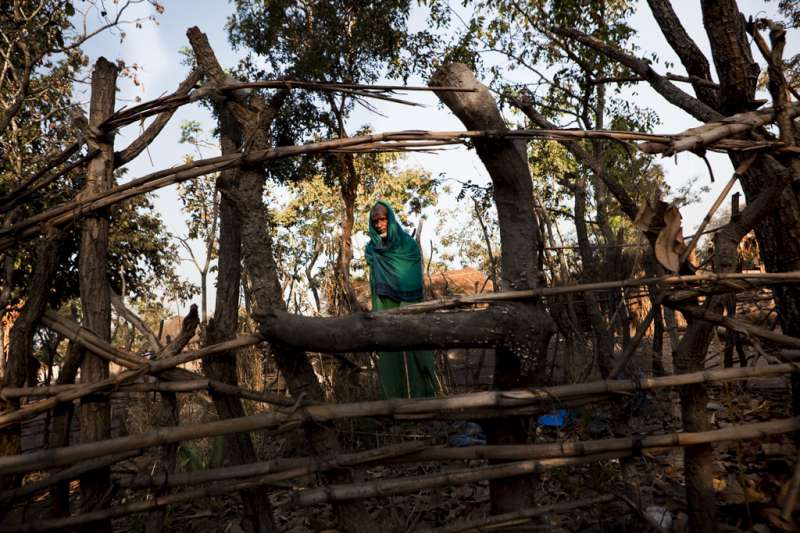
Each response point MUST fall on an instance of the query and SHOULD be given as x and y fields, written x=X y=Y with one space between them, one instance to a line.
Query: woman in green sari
x=396 y=279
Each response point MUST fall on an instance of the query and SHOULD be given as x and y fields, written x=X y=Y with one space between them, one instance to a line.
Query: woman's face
x=380 y=220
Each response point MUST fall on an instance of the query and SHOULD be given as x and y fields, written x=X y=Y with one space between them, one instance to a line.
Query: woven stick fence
x=537 y=458
x=462 y=404
x=291 y=413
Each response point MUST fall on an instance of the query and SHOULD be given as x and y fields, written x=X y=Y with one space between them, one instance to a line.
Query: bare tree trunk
x=507 y=164
x=778 y=235
x=349 y=193
x=601 y=329
x=226 y=313
x=21 y=347
x=249 y=124
x=223 y=326
x=94 y=288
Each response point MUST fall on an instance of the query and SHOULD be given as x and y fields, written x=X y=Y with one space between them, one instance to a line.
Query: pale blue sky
x=156 y=48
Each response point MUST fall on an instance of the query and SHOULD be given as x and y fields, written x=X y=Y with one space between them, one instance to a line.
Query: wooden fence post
x=94 y=289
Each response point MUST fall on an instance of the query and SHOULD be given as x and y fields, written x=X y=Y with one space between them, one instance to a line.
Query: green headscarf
x=395 y=265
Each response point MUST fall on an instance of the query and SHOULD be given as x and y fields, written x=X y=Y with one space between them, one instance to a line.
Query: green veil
x=395 y=279
x=396 y=265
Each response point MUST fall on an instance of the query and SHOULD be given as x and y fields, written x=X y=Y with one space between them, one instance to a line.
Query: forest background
x=153 y=50
x=313 y=207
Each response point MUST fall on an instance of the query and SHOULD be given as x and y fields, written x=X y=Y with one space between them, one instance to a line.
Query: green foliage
x=42 y=124
x=332 y=40
x=141 y=257
x=324 y=40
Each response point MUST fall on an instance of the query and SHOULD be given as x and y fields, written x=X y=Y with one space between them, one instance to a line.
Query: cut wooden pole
x=389 y=487
x=180 y=98
x=599 y=286
x=421 y=452
x=67 y=474
x=160 y=502
x=95 y=298
x=591 y=447
x=192 y=385
x=739 y=326
x=520 y=517
x=322 y=412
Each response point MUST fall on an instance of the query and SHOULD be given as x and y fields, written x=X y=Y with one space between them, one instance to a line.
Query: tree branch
x=133 y=318
x=662 y=85
x=24 y=83
x=502 y=325
x=691 y=57
x=628 y=205
x=143 y=141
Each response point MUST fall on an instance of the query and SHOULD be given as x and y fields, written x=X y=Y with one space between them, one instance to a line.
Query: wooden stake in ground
x=94 y=289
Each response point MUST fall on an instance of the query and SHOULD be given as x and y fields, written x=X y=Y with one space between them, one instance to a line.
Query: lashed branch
x=426 y=453
x=80 y=207
x=300 y=466
x=229 y=85
x=148 y=136
x=706 y=135
x=192 y=385
x=387 y=487
x=66 y=474
x=310 y=497
x=323 y=412
x=282 y=469
x=132 y=361
x=484 y=298
x=739 y=326
x=148 y=367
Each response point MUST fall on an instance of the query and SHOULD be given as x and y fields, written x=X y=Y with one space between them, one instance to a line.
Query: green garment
x=395 y=279
x=392 y=366
x=395 y=265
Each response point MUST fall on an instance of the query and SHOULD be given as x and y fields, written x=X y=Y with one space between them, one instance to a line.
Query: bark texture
x=94 y=288
x=523 y=364
x=20 y=349
x=243 y=211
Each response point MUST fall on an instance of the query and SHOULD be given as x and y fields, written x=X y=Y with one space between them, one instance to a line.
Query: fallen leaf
x=645 y=217
x=669 y=244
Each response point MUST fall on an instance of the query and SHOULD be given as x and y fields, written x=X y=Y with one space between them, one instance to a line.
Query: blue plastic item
x=556 y=419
